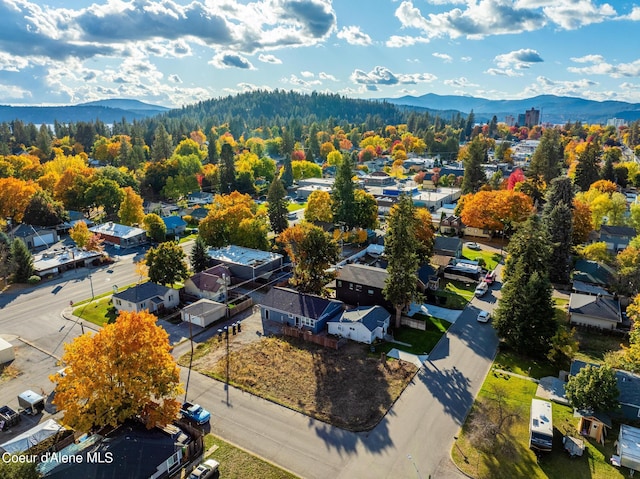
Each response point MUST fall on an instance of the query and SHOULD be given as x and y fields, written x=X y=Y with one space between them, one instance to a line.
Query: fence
x=413 y=323
x=322 y=340
x=238 y=305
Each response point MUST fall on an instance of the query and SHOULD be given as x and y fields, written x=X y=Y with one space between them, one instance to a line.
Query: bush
x=34 y=279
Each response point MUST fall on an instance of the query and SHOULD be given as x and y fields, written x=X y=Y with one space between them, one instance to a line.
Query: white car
x=481 y=289
x=484 y=316
x=205 y=470
x=472 y=245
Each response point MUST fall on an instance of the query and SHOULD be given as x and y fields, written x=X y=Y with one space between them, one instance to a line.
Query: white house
x=210 y=284
x=146 y=296
x=363 y=324
x=598 y=311
x=203 y=312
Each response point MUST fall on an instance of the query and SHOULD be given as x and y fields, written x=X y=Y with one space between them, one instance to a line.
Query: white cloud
x=231 y=60
x=13 y=92
x=397 y=41
x=466 y=59
x=383 y=76
x=443 y=56
x=599 y=66
x=580 y=88
x=295 y=80
x=307 y=74
x=269 y=59
x=518 y=59
x=635 y=14
x=174 y=78
x=572 y=14
x=326 y=76
x=461 y=82
x=354 y=36
x=503 y=72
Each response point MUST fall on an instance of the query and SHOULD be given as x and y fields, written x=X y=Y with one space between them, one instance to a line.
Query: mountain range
x=553 y=109
x=107 y=111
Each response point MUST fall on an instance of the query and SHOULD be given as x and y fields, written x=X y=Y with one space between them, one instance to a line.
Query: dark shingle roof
x=595 y=306
x=617 y=230
x=142 y=292
x=592 y=272
x=445 y=244
x=300 y=304
x=362 y=274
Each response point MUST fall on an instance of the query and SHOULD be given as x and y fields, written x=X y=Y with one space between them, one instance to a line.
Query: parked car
x=484 y=316
x=292 y=216
x=490 y=277
x=195 y=413
x=206 y=470
x=8 y=418
x=481 y=289
x=472 y=245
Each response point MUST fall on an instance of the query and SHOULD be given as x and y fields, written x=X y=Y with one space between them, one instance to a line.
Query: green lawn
x=236 y=463
x=491 y=259
x=516 y=363
x=512 y=458
x=457 y=293
x=188 y=238
x=422 y=342
x=293 y=206
x=98 y=312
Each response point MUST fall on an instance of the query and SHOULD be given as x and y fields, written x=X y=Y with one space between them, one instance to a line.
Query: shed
x=203 y=312
x=6 y=352
x=628 y=448
x=593 y=424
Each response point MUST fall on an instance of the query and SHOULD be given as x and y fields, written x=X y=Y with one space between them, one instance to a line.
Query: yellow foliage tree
x=131 y=210
x=319 y=207
x=123 y=371
x=80 y=234
x=15 y=195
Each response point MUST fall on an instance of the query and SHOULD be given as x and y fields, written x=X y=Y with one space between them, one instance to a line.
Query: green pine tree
x=343 y=194
x=22 y=261
x=474 y=175
x=199 y=256
x=277 y=206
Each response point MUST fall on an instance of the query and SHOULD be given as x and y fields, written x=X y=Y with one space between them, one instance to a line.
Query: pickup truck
x=195 y=413
x=8 y=418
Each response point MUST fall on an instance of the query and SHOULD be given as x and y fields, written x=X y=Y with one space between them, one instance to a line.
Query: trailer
x=8 y=418
x=31 y=402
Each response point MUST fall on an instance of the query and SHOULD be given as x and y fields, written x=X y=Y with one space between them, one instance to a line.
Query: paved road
x=413 y=440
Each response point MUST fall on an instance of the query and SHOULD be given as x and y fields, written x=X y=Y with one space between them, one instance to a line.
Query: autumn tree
x=277 y=206
x=496 y=210
x=15 y=195
x=199 y=257
x=22 y=261
x=319 y=207
x=473 y=156
x=628 y=263
x=313 y=252
x=131 y=211
x=401 y=246
x=123 y=371
x=104 y=193
x=80 y=234
x=167 y=263
x=594 y=388
x=95 y=243
x=343 y=194
x=425 y=234
x=155 y=227
x=547 y=159
x=582 y=223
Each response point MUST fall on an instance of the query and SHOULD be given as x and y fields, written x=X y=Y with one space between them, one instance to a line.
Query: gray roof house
x=210 y=284
x=447 y=246
x=364 y=324
x=146 y=296
x=628 y=385
x=617 y=238
x=598 y=311
x=300 y=310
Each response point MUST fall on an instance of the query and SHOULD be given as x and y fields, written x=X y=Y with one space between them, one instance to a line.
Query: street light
x=414 y=465
x=91 y=283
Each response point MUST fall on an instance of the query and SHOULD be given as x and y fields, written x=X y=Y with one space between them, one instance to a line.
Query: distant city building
x=521 y=118
x=531 y=117
x=510 y=120
x=617 y=122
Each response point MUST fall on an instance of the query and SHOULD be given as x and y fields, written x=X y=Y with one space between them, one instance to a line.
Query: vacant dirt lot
x=346 y=388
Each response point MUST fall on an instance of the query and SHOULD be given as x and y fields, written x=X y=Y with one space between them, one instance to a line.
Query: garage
x=43 y=240
x=204 y=312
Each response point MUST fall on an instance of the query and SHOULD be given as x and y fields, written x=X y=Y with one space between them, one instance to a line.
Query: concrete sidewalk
x=450 y=315
x=418 y=360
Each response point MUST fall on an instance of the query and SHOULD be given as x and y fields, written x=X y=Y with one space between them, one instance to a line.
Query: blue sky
x=176 y=52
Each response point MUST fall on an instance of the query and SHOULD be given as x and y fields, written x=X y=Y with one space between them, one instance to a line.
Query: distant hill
x=554 y=109
x=107 y=111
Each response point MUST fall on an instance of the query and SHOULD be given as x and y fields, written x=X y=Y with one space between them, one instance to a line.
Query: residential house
x=209 y=284
x=120 y=235
x=597 y=311
x=300 y=310
x=592 y=272
x=617 y=238
x=247 y=263
x=129 y=451
x=35 y=236
x=361 y=285
x=198 y=213
x=378 y=178
x=364 y=324
x=174 y=224
x=593 y=424
x=199 y=198
x=450 y=224
x=146 y=296
x=628 y=385
x=627 y=449
x=203 y=312
x=447 y=246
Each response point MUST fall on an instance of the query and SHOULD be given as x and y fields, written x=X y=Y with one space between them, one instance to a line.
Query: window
x=118 y=302
x=370 y=292
x=290 y=315
x=339 y=283
x=351 y=286
x=358 y=287
x=266 y=314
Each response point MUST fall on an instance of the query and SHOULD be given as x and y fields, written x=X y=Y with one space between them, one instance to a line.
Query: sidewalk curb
x=29 y=343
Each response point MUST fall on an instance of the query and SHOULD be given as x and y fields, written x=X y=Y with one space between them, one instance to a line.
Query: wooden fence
x=413 y=323
x=321 y=339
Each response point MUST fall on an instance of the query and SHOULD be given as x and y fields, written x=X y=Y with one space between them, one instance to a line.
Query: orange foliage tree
x=496 y=210
x=582 y=222
x=124 y=370
x=15 y=195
